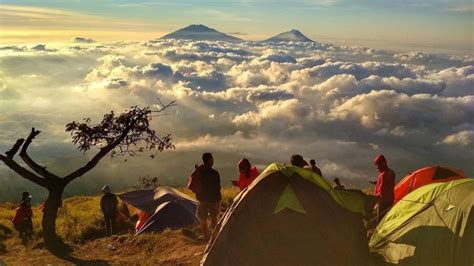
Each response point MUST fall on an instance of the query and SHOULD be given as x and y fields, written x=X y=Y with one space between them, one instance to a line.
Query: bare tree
x=125 y=134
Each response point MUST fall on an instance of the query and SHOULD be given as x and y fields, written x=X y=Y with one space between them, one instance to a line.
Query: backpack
x=195 y=180
x=20 y=217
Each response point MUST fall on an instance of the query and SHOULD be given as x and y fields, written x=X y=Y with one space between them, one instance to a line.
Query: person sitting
x=108 y=205
x=247 y=174
x=338 y=185
x=314 y=168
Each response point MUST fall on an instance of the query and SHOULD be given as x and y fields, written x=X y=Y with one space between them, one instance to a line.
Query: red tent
x=423 y=176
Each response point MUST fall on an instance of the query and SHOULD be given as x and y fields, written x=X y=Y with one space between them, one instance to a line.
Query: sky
x=341 y=103
x=437 y=25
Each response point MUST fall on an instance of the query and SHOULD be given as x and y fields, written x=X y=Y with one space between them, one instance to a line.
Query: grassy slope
x=79 y=224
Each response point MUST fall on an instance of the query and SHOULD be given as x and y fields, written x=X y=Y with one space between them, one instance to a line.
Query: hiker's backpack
x=19 y=217
x=195 y=180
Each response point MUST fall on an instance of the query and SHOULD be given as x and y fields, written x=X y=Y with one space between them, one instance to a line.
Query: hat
x=380 y=159
x=26 y=194
x=106 y=189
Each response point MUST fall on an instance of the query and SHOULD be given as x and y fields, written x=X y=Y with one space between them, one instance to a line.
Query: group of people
x=205 y=183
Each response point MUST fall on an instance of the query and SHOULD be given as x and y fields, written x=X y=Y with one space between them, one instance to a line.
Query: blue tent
x=165 y=207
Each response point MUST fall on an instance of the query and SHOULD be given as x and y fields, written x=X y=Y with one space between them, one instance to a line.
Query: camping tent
x=423 y=176
x=161 y=208
x=291 y=216
x=433 y=225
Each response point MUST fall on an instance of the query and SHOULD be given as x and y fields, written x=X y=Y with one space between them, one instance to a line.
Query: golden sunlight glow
x=32 y=24
x=24 y=36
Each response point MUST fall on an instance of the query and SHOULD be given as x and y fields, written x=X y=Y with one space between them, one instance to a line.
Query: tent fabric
x=433 y=225
x=352 y=200
x=142 y=218
x=164 y=207
x=424 y=176
x=168 y=215
x=290 y=216
x=148 y=200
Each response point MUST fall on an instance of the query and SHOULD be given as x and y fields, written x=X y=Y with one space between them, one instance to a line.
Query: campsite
x=79 y=223
x=237 y=132
x=282 y=211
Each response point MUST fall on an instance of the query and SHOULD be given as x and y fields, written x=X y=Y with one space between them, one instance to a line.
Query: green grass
x=80 y=218
x=228 y=195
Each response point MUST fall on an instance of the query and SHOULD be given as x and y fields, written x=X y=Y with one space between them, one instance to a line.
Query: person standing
x=384 y=187
x=205 y=182
x=314 y=168
x=23 y=219
x=108 y=205
x=247 y=174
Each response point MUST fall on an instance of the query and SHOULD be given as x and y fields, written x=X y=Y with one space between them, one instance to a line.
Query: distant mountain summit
x=289 y=36
x=200 y=33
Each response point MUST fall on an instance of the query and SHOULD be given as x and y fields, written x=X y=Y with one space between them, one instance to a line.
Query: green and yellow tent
x=291 y=216
x=433 y=225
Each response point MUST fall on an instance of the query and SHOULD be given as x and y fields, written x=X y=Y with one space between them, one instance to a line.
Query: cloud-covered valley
x=338 y=105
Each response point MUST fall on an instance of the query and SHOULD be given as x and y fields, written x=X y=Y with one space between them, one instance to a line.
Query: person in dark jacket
x=314 y=168
x=338 y=185
x=205 y=182
x=384 y=187
x=297 y=160
x=108 y=205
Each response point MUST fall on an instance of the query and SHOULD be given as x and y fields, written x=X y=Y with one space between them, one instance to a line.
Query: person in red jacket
x=384 y=187
x=247 y=174
x=22 y=221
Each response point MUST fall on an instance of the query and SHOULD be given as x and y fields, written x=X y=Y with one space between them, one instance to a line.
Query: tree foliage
x=134 y=122
x=147 y=182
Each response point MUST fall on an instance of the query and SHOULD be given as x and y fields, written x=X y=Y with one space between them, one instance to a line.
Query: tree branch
x=95 y=160
x=163 y=107
x=27 y=159
x=15 y=148
x=22 y=171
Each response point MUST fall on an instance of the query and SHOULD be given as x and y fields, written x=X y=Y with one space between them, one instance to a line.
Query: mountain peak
x=288 y=36
x=199 y=32
x=197 y=27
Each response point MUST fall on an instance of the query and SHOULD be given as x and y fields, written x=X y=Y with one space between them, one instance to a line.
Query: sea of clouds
x=338 y=105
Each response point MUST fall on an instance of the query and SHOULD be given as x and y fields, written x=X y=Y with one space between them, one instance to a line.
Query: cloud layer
x=339 y=105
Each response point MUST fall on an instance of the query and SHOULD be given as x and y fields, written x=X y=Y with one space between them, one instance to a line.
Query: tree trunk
x=50 y=213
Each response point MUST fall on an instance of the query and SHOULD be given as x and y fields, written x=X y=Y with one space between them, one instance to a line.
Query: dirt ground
x=167 y=248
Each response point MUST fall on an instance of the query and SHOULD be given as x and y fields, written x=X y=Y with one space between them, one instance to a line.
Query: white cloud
x=283 y=112
x=340 y=105
x=463 y=138
x=388 y=108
